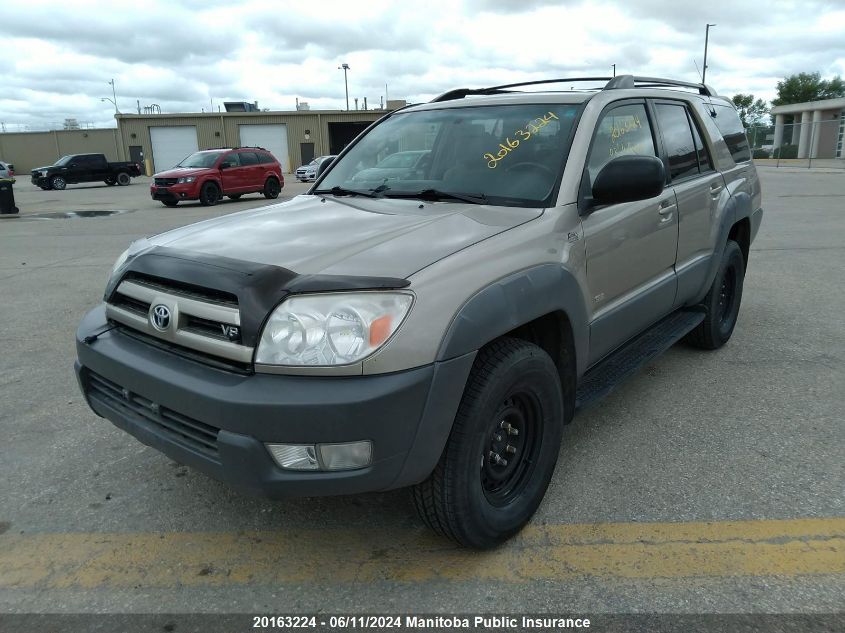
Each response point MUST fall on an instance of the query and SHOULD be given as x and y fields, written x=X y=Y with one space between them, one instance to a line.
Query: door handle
x=666 y=207
x=715 y=188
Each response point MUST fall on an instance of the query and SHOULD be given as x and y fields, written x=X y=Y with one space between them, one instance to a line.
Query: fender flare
x=737 y=208
x=514 y=301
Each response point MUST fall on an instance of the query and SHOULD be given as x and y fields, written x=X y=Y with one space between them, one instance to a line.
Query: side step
x=600 y=380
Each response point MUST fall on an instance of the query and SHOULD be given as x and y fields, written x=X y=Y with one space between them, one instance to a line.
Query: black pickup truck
x=76 y=168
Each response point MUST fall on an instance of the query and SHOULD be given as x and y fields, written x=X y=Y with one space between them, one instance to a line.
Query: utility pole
x=345 y=67
x=614 y=69
x=706 y=40
x=114 y=95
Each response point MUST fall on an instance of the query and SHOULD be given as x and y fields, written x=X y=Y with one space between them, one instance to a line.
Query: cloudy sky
x=56 y=58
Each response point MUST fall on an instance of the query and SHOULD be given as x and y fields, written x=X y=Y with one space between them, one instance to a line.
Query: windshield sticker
x=532 y=128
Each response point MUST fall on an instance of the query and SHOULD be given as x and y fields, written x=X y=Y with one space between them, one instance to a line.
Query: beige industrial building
x=161 y=140
x=816 y=127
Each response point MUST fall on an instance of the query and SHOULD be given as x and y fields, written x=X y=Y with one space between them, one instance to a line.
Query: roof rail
x=613 y=83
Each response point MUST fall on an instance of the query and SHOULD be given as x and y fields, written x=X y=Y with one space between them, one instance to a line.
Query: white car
x=6 y=170
x=308 y=173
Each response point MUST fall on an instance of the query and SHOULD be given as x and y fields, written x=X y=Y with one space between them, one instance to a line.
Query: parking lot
x=710 y=482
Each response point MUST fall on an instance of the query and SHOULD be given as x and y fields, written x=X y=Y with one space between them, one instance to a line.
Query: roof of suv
x=621 y=85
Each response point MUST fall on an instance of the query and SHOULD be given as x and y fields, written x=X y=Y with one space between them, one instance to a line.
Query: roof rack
x=613 y=83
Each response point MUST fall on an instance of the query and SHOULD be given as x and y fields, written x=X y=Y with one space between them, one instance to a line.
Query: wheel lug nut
x=498 y=437
x=510 y=449
x=512 y=430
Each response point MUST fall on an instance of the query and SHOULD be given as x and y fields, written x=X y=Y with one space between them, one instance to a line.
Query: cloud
x=185 y=56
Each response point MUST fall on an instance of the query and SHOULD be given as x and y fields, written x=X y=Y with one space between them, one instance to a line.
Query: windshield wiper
x=437 y=194
x=340 y=191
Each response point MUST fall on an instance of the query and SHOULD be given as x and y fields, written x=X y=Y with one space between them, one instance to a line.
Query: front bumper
x=40 y=181
x=218 y=421
x=183 y=191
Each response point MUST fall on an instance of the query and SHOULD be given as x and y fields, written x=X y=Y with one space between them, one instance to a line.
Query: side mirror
x=629 y=178
x=324 y=166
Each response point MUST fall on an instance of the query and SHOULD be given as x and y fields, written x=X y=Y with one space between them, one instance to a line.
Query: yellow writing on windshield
x=531 y=128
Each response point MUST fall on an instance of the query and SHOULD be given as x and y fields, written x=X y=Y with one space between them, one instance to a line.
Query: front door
x=630 y=246
x=306 y=151
x=231 y=173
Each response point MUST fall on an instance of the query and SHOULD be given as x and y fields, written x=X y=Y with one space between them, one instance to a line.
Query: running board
x=601 y=379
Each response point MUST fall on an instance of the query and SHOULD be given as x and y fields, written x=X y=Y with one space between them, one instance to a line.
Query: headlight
x=331 y=329
x=186 y=179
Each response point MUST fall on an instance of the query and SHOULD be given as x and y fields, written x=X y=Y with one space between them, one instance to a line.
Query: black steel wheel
x=123 y=179
x=722 y=301
x=502 y=450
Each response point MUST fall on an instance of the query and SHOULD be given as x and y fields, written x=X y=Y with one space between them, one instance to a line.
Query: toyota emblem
x=160 y=317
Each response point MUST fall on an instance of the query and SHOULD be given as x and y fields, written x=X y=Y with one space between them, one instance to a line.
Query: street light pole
x=706 y=39
x=345 y=67
x=614 y=69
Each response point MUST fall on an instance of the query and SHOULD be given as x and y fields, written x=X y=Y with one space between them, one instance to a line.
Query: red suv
x=209 y=175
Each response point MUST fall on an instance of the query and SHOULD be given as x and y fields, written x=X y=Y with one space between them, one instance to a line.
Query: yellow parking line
x=620 y=550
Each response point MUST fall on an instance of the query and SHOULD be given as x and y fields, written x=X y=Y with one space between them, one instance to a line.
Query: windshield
x=507 y=155
x=200 y=159
x=64 y=160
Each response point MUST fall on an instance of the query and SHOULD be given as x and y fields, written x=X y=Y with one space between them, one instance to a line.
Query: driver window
x=622 y=131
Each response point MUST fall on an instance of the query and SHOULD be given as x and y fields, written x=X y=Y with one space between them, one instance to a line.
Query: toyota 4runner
x=436 y=328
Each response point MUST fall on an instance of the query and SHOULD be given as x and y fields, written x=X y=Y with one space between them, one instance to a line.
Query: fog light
x=294 y=456
x=345 y=456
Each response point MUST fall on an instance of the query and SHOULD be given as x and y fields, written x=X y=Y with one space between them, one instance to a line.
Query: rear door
x=631 y=246
x=698 y=189
x=253 y=171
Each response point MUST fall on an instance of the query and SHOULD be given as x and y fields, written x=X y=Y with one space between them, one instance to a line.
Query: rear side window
x=248 y=158
x=678 y=140
x=264 y=158
x=704 y=163
x=727 y=120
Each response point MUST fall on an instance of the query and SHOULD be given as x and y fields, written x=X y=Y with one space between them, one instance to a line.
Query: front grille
x=202 y=320
x=165 y=182
x=180 y=429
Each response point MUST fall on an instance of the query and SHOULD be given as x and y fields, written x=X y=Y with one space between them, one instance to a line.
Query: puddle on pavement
x=65 y=215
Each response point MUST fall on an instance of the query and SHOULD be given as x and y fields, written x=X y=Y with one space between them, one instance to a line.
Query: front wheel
x=57 y=182
x=502 y=450
x=123 y=179
x=272 y=188
x=722 y=301
x=209 y=194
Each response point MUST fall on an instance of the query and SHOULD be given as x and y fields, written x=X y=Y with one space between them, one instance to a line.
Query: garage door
x=172 y=144
x=271 y=137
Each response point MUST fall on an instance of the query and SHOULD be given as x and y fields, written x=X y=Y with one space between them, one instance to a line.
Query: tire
x=235 y=196
x=722 y=301
x=512 y=383
x=123 y=179
x=111 y=182
x=170 y=203
x=57 y=182
x=272 y=189
x=209 y=194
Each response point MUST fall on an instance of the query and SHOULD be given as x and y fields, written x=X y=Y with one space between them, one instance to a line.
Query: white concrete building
x=816 y=127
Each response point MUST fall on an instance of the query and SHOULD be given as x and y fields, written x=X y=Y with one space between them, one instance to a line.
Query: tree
x=751 y=112
x=805 y=87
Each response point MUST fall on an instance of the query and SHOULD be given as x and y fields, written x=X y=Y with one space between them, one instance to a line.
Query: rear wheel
x=272 y=188
x=502 y=450
x=57 y=182
x=234 y=196
x=209 y=194
x=722 y=301
x=170 y=203
x=123 y=179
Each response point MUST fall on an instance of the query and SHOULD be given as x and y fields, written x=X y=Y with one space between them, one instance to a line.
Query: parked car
x=438 y=331
x=398 y=166
x=209 y=175
x=308 y=173
x=7 y=170
x=76 y=168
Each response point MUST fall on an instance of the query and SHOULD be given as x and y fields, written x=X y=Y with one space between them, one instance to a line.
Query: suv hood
x=178 y=172
x=347 y=236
